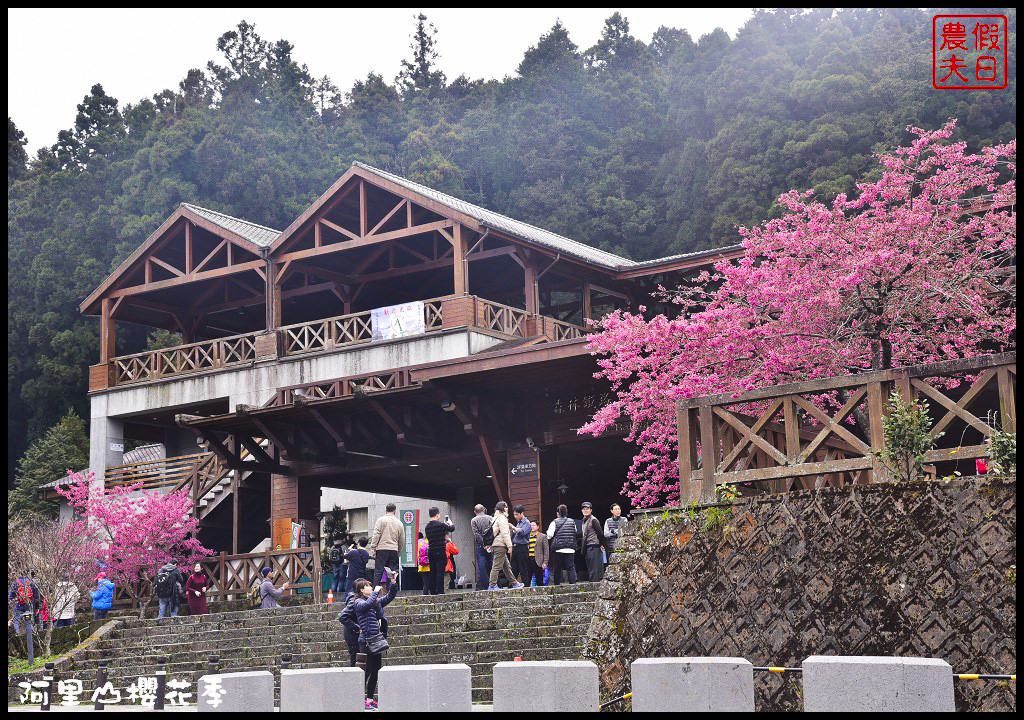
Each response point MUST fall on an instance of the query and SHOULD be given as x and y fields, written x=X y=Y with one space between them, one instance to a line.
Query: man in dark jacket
x=170 y=587
x=435 y=532
x=593 y=541
x=357 y=558
x=521 y=545
x=480 y=522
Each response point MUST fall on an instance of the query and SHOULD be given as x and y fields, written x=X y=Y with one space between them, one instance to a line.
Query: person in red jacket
x=195 y=591
x=450 y=550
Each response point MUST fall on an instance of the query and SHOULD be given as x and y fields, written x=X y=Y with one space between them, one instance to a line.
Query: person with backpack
x=435 y=532
x=593 y=542
x=562 y=534
x=102 y=597
x=501 y=546
x=369 y=606
x=336 y=556
x=479 y=524
x=170 y=587
x=24 y=595
x=423 y=561
x=195 y=591
x=357 y=559
x=268 y=594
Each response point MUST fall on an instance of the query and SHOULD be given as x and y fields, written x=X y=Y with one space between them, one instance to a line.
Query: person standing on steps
x=357 y=558
x=423 y=562
x=521 y=545
x=336 y=556
x=501 y=548
x=435 y=531
x=169 y=586
x=350 y=628
x=386 y=542
x=538 y=553
x=195 y=591
x=614 y=527
x=450 y=550
x=369 y=606
x=102 y=597
x=66 y=597
x=562 y=534
x=268 y=593
x=593 y=541
x=479 y=524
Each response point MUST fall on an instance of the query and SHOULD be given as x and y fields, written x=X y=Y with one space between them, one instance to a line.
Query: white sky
x=55 y=55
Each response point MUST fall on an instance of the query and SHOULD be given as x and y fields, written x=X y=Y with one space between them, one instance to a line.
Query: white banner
x=396 y=321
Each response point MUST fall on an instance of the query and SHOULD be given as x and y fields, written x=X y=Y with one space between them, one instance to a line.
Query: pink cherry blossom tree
x=918 y=267
x=140 y=530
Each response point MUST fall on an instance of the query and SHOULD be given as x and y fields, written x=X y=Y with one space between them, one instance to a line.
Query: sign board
x=397 y=321
x=524 y=469
x=296 y=535
x=117 y=447
x=411 y=525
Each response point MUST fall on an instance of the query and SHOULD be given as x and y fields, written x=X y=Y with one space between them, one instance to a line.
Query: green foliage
x=64 y=447
x=1003 y=453
x=335 y=527
x=642 y=149
x=905 y=431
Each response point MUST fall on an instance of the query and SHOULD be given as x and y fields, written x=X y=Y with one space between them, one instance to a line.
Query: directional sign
x=524 y=469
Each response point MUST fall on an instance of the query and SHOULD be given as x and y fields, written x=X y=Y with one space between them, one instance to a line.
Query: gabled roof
x=516 y=228
x=259 y=234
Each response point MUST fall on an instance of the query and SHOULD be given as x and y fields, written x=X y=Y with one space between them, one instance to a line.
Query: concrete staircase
x=476 y=628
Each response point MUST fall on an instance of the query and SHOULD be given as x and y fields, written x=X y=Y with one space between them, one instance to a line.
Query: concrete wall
x=256 y=384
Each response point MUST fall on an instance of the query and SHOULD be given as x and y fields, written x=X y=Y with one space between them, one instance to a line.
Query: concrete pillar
x=236 y=692
x=877 y=684
x=546 y=686
x=698 y=684
x=462 y=515
x=426 y=688
x=106 y=439
x=323 y=690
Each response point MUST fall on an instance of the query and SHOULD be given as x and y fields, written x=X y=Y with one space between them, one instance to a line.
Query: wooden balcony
x=780 y=438
x=324 y=335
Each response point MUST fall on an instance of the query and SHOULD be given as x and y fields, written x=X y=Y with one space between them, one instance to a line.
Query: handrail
x=182 y=359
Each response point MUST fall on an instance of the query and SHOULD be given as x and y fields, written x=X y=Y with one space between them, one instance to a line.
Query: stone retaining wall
x=921 y=569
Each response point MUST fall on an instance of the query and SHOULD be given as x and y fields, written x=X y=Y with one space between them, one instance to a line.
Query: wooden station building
x=392 y=339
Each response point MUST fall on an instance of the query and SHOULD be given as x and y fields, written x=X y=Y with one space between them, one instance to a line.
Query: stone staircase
x=476 y=628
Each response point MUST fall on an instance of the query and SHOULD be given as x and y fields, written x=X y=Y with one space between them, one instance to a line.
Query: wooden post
x=708 y=453
x=362 y=209
x=687 y=422
x=588 y=310
x=792 y=430
x=222 y=568
x=1007 y=403
x=530 y=288
x=108 y=331
x=461 y=267
x=876 y=408
x=234 y=512
x=188 y=248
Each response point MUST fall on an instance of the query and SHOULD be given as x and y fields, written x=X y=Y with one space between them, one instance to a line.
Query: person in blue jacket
x=102 y=597
x=369 y=606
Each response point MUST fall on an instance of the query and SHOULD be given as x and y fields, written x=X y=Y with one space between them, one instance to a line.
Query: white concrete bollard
x=877 y=684
x=692 y=684
x=426 y=688
x=546 y=686
x=236 y=692
x=323 y=690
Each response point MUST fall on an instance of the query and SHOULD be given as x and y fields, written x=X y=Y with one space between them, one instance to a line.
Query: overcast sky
x=55 y=56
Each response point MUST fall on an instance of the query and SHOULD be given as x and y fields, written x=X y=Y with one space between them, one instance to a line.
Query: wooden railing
x=232 y=576
x=344 y=387
x=346 y=330
x=557 y=330
x=168 y=472
x=500 y=318
x=208 y=355
x=803 y=436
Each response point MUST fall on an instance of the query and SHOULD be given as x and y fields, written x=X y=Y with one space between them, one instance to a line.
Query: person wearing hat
x=268 y=593
x=593 y=541
x=102 y=597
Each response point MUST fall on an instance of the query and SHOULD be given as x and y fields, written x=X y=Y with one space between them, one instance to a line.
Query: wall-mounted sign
x=524 y=469
x=411 y=524
x=396 y=321
x=117 y=447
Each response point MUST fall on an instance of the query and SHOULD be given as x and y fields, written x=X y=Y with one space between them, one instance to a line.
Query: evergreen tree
x=419 y=75
x=64 y=447
x=17 y=158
